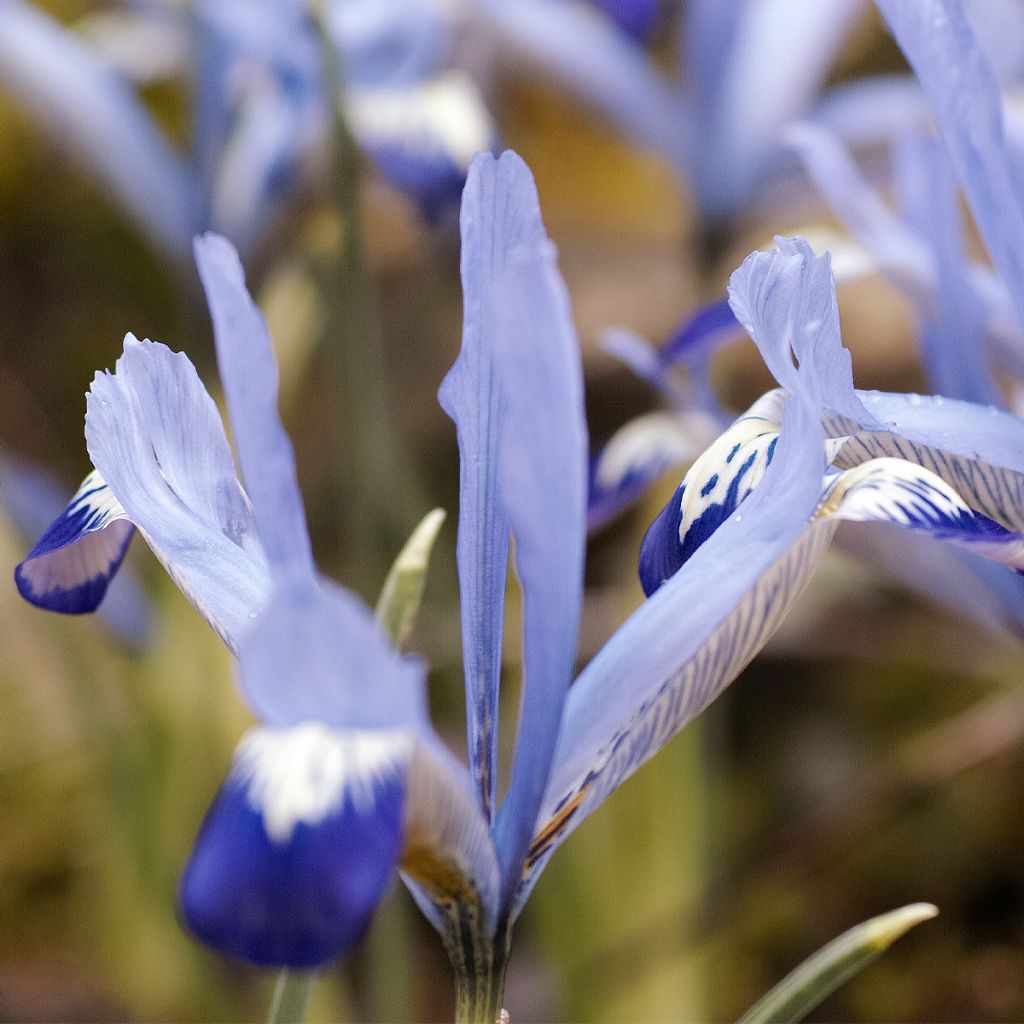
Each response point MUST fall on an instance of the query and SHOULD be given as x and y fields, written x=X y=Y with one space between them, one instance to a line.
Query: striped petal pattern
x=894 y=491
x=71 y=565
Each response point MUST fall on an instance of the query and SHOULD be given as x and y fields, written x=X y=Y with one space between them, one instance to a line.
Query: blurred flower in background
x=869 y=756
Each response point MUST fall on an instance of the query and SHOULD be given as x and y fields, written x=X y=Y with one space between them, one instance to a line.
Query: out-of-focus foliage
x=871 y=757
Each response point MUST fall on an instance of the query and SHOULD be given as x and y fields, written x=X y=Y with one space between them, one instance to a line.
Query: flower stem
x=478 y=998
x=291 y=997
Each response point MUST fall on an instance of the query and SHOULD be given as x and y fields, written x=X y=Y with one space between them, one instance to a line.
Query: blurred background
x=870 y=757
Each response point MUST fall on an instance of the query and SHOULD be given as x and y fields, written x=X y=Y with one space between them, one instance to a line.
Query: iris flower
x=343 y=780
x=260 y=114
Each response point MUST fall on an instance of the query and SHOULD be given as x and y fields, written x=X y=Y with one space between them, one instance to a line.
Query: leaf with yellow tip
x=400 y=597
x=821 y=974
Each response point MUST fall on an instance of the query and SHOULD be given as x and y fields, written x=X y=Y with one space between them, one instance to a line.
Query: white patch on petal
x=441 y=116
x=304 y=774
x=652 y=443
x=743 y=450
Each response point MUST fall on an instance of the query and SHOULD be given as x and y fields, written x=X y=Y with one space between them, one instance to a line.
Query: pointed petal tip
x=299 y=845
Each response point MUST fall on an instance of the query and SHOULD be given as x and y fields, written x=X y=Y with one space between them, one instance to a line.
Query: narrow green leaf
x=821 y=974
x=399 y=601
x=291 y=997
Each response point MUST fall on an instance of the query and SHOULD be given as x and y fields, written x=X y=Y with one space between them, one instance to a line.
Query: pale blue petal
x=676 y=653
x=573 y=44
x=71 y=565
x=964 y=94
x=93 y=113
x=952 y=328
x=299 y=845
x=155 y=436
x=317 y=653
x=872 y=111
x=391 y=42
x=500 y=212
x=248 y=371
x=786 y=300
x=968 y=586
x=701 y=334
x=890 y=490
x=897 y=248
x=978 y=450
x=544 y=484
x=639 y=355
x=778 y=53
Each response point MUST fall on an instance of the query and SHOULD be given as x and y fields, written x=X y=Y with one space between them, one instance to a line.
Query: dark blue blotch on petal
x=298 y=902
x=71 y=565
x=661 y=554
x=637 y=18
x=434 y=181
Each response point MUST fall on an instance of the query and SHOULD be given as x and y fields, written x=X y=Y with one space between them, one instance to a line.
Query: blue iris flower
x=344 y=781
x=260 y=114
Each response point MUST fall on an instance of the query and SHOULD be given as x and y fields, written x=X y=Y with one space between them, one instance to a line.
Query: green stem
x=291 y=997
x=478 y=994
x=377 y=489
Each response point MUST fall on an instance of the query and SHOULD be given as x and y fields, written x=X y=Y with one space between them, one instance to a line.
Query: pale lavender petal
x=92 y=112
x=786 y=300
x=872 y=111
x=968 y=586
x=156 y=437
x=677 y=652
x=952 y=322
x=897 y=248
x=248 y=370
x=500 y=212
x=968 y=108
x=778 y=54
x=544 y=484
x=573 y=44
x=316 y=653
x=978 y=450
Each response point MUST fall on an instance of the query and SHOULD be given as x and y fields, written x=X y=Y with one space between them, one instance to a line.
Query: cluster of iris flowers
x=344 y=781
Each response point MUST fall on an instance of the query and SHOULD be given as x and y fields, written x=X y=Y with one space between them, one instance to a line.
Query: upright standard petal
x=248 y=371
x=71 y=565
x=544 y=484
x=966 y=101
x=156 y=437
x=85 y=107
x=500 y=212
x=299 y=845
